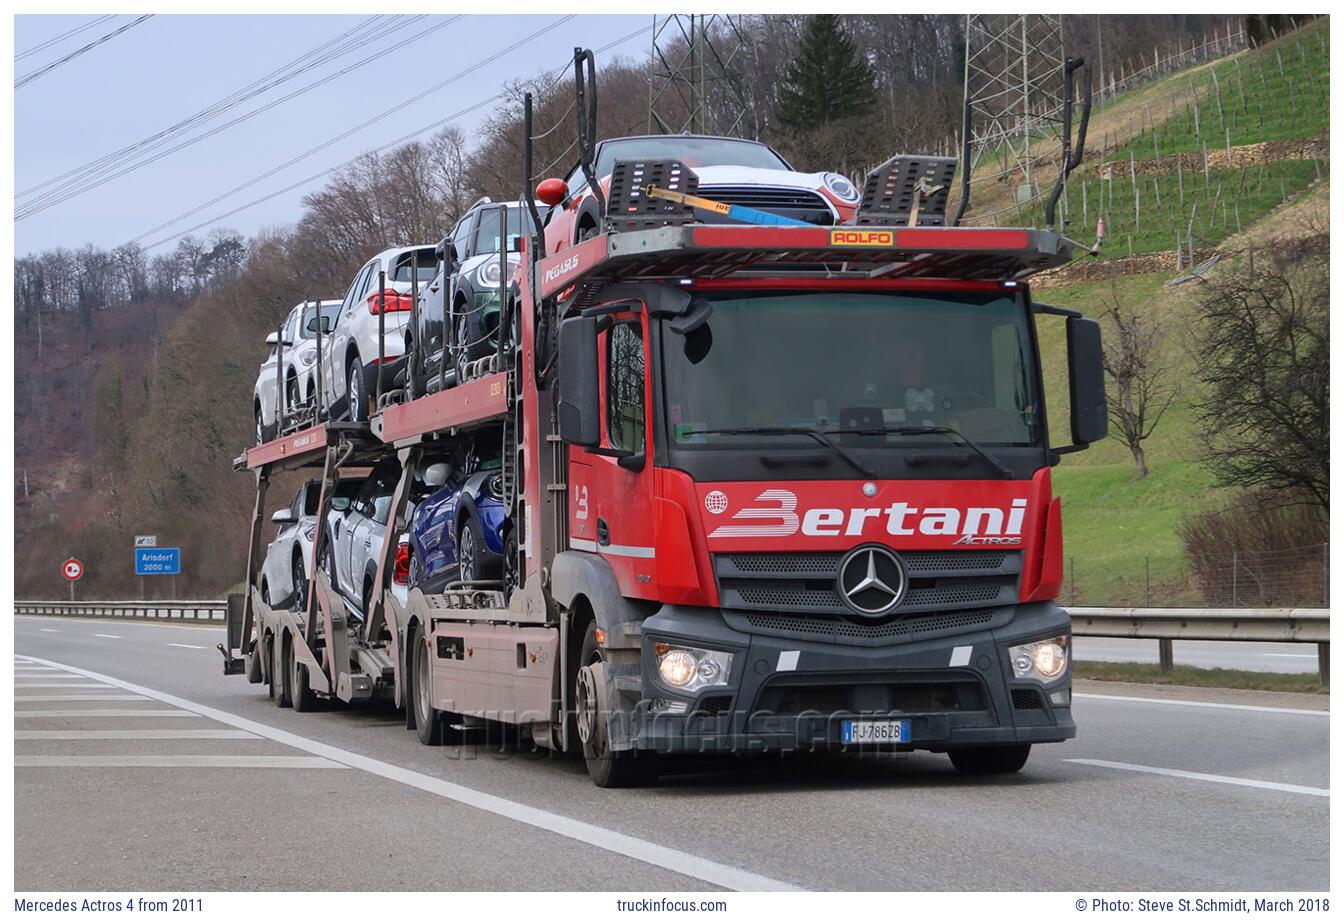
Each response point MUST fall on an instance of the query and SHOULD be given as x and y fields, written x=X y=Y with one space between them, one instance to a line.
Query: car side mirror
x=1087 y=380
x=284 y=516
x=579 y=412
x=273 y=339
x=436 y=474
x=340 y=503
x=551 y=191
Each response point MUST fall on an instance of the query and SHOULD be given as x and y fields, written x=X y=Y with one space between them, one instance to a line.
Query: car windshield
x=693 y=151
x=329 y=310
x=487 y=234
x=427 y=266
x=865 y=367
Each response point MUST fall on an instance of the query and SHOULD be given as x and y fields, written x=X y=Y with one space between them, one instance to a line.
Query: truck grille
x=786 y=202
x=805 y=582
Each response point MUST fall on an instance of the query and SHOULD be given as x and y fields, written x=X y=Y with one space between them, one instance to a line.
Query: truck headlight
x=841 y=187
x=690 y=669
x=1043 y=661
x=308 y=356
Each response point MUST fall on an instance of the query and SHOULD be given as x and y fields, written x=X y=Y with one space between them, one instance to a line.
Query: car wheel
x=292 y=395
x=463 y=353
x=607 y=768
x=990 y=759
x=511 y=578
x=470 y=550
x=413 y=575
x=300 y=584
x=357 y=401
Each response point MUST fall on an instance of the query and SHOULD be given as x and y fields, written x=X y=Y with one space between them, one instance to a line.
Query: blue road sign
x=165 y=560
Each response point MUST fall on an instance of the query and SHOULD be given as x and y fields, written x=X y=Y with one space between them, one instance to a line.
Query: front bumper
x=789 y=693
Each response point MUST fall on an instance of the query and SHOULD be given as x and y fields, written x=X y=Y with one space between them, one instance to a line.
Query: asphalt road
x=1162 y=790
x=1279 y=657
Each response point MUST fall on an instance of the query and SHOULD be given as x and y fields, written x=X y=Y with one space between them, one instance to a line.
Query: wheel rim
x=422 y=683
x=352 y=394
x=261 y=434
x=466 y=545
x=510 y=565
x=463 y=349
x=300 y=585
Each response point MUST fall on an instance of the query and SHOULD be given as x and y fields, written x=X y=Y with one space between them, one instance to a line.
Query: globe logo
x=716 y=502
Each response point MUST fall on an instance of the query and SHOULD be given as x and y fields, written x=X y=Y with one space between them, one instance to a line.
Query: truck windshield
x=863 y=367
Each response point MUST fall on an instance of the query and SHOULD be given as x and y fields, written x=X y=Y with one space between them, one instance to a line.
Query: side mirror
x=552 y=191
x=273 y=339
x=579 y=412
x=436 y=474
x=340 y=503
x=1087 y=380
x=284 y=516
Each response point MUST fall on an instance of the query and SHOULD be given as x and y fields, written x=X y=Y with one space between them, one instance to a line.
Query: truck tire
x=266 y=661
x=607 y=768
x=989 y=759
x=301 y=695
x=428 y=720
x=280 y=672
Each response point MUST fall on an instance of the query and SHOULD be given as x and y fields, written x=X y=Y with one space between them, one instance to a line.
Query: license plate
x=895 y=731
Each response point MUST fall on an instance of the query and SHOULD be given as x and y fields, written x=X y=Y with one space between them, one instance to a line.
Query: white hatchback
x=353 y=364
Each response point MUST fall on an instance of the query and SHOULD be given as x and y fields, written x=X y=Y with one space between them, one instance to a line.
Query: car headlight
x=690 y=669
x=488 y=274
x=1043 y=661
x=494 y=486
x=841 y=187
x=309 y=531
x=307 y=356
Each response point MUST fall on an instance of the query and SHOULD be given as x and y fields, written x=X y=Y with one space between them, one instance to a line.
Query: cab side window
x=625 y=386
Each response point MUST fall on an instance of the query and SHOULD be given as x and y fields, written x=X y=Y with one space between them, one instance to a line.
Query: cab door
x=622 y=472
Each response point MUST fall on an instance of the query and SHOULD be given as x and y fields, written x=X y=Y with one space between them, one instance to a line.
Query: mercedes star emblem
x=871 y=580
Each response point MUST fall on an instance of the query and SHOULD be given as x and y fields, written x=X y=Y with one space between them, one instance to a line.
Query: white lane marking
x=655 y=854
x=153 y=622
x=52 y=685
x=106 y=636
x=103 y=713
x=45 y=629
x=54 y=698
x=249 y=761
x=1205 y=777
x=135 y=734
x=52 y=675
x=1144 y=699
x=1287 y=655
x=180 y=645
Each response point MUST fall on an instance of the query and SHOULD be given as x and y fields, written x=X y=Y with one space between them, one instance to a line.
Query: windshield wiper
x=951 y=433
x=814 y=433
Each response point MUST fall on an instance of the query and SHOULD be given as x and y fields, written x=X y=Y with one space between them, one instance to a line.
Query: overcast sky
x=169 y=67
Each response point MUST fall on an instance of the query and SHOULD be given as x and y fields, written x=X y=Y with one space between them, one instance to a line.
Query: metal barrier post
x=1323 y=661
x=1164 y=656
x=1234 y=578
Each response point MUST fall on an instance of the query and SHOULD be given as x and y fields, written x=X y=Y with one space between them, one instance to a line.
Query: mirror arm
x=631 y=461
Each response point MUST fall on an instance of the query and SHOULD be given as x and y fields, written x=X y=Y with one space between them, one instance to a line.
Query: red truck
x=771 y=488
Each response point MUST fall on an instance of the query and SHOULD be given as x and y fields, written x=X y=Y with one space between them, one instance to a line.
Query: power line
x=357 y=128
x=29 y=78
x=43 y=46
x=217 y=107
x=555 y=75
x=53 y=199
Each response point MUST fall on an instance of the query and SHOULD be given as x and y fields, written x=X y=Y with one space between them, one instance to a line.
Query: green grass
x=1186 y=676
x=1259 y=103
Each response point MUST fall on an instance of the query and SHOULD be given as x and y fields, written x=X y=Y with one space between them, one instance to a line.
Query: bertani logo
x=871 y=580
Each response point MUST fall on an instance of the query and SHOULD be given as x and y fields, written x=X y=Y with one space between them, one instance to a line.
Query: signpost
x=72 y=570
x=158 y=560
x=146 y=541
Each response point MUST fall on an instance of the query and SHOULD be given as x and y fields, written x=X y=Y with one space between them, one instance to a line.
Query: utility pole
x=694 y=84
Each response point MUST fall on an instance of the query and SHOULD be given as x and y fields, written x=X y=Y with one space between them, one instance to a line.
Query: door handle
x=603 y=532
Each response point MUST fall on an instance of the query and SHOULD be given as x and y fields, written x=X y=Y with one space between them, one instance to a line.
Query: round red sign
x=72 y=569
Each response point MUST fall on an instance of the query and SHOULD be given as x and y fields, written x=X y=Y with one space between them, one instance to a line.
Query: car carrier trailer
x=689 y=573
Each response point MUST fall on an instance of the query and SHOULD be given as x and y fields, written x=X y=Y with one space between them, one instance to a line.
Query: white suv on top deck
x=352 y=361
x=299 y=336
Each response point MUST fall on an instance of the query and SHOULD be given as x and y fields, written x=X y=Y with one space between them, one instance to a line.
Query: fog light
x=677 y=668
x=1060 y=697
x=671 y=707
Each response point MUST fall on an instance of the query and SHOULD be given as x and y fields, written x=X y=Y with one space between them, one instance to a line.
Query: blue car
x=457 y=532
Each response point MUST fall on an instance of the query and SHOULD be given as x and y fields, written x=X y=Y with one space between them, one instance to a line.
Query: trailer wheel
x=280 y=672
x=301 y=696
x=989 y=760
x=266 y=662
x=428 y=720
x=607 y=768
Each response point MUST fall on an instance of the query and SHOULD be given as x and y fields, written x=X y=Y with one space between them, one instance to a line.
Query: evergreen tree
x=828 y=80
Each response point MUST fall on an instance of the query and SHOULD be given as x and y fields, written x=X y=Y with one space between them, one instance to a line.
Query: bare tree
x=1264 y=359
x=1139 y=393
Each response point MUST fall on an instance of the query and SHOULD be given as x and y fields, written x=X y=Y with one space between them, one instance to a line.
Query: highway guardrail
x=192 y=611
x=1271 y=624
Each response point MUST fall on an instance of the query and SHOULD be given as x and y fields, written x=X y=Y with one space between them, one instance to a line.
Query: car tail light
x=393 y=302
x=401 y=569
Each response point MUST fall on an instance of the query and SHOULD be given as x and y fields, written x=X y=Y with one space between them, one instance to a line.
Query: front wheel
x=606 y=767
x=428 y=720
x=470 y=550
x=989 y=760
